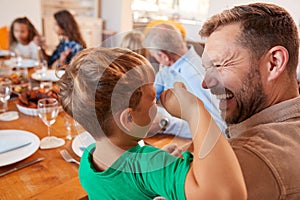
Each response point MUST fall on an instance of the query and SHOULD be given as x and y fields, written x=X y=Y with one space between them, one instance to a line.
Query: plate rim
x=26 y=59
x=43 y=79
x=75 y=142
x=34 y=146
x=7 y=53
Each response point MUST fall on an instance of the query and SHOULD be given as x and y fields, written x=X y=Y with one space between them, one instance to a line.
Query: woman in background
x=71 y=40
x=24 y=39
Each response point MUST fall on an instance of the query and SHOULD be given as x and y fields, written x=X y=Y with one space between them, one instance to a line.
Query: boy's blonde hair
x=99 y=83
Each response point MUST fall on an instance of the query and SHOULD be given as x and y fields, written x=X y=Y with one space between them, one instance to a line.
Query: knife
x=21 y=166
x=11 y=148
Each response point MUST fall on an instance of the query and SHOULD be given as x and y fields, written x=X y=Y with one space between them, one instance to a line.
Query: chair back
x=4 y=38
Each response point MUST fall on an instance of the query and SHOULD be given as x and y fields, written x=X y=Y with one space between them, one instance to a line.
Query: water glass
x=46 y=85
x=15 y=60
x=5 y=90
x=41 y=69
x=48 y=109
x=72 y=127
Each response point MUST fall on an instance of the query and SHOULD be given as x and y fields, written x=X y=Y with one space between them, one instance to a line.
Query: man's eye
x=212 y=67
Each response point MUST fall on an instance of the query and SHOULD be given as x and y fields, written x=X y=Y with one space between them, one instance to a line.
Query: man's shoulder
x=267 y=135
x=273 y=150
x=269 y=143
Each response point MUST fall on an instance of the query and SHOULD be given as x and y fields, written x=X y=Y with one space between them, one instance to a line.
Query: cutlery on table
x=21 y=166
x=67 y=157
x=7 y=146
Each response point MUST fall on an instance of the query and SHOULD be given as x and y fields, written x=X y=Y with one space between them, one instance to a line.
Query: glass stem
x=48 y=131
x=5 y=105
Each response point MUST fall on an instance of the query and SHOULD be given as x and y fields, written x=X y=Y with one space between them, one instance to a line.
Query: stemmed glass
x=5 y=90
x=48 y=109
x=16 y=60
x=41 y=69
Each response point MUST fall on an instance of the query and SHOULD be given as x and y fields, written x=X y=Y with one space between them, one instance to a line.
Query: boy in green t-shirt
x=110 y=93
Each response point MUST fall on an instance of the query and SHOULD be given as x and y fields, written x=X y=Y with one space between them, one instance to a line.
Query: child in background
x=24 y=39
x=110 y=92
x=71 y=41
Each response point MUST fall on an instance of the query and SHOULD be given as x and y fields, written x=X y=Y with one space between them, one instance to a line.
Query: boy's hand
x=178 y=100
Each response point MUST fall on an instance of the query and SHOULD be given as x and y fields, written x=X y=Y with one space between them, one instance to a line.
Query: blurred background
x=100 y=19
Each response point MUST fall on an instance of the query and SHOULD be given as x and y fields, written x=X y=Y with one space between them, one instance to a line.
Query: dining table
x=53 y=177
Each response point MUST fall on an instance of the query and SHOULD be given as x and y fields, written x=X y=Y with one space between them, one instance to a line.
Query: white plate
x=81 y=141
x=50 y=75
x=4 y=53
x=26 y=63
x=19 y=154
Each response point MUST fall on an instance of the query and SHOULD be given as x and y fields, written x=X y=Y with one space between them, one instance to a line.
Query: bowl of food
x=27 y=101
x=27 y=110
x=19 y=80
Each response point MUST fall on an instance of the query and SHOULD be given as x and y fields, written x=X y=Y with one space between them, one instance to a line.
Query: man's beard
x=251 y=98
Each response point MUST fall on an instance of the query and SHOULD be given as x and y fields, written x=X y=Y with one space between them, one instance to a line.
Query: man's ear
x=278 y=60
x=126 y=119
x=164 y=56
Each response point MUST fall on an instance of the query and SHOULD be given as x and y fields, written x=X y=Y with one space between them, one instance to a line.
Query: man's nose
x=204 y=85
x=210 y=80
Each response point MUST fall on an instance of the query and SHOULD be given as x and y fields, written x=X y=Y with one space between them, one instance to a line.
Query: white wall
x=117 y=15
x=11 y=9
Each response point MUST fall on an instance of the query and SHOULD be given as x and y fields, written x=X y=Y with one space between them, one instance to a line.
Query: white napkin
x=55 y=142
x=9 y=145
x=9 y=116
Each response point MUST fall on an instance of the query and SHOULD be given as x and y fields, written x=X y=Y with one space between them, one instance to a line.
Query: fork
x=67 y=157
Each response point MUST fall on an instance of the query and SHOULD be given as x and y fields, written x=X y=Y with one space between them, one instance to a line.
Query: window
x=145 y=10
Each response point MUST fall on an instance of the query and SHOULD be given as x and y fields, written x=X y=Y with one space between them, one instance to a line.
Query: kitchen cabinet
x=87 y=8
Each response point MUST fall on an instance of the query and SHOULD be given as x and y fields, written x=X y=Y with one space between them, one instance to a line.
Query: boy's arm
x=215 y=172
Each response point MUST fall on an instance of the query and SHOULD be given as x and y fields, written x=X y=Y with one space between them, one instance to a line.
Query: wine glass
x=48 y=109
x=41 y=69
x=72 y=127
x=15 y=59
x=5 y=90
